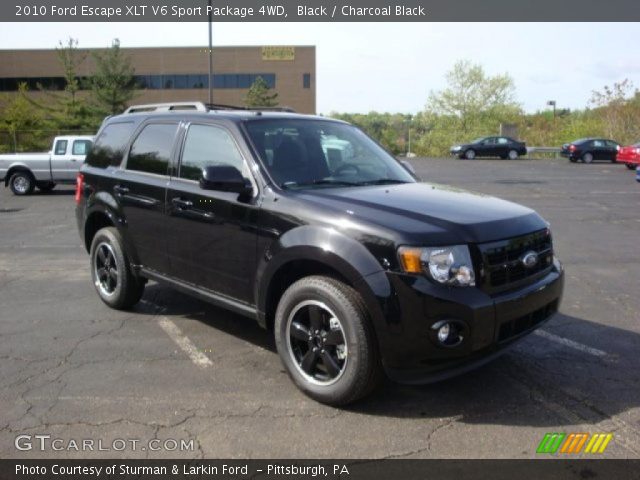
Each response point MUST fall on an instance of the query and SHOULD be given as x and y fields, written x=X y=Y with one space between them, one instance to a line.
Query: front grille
x=502 y=261
x=516 y=327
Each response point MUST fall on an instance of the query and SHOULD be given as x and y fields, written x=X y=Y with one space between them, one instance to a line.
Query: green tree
x=471 y=96
x=22 y=121
x=619 y=108
x=112 y=84
x=259 y=95
x=70 y=58
x=67 y=110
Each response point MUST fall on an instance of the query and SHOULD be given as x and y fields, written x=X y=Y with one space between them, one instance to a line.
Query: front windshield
x=303 y=153
x=478 y=140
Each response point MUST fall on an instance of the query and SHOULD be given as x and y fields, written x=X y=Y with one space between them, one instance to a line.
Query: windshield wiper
x=382 y=181
x=339 y=183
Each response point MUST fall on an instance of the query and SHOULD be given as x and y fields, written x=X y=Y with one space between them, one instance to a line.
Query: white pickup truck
x=24 y=171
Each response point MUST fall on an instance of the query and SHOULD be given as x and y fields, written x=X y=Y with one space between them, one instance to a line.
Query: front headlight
x=456 y=148
x=446 y=265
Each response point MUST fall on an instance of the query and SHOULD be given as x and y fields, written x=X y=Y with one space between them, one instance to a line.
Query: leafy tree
x=67 y=110
x=471 y=96
x=70 y=58
x=259 y=95
x=619 y=107
x=21 y=118
x=112 y=83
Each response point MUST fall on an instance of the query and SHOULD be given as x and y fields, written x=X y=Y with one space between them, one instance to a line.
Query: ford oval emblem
x=530 y=259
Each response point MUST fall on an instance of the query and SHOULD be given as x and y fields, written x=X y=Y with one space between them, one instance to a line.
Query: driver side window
x=207 y=145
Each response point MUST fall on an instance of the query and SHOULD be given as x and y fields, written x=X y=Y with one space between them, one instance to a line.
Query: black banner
x=319 y=11
x=330 y=469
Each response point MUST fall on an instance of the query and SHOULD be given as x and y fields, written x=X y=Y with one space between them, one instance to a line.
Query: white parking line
x=570 y=343
x=196 y=356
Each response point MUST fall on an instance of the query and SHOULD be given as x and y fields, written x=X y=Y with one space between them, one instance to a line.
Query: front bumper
x=492 y=323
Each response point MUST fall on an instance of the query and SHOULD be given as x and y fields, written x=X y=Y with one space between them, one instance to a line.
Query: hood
x=429 y=214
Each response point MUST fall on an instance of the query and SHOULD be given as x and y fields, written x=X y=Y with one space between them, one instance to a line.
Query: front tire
x=326 y=342
x=22 y=183
x=111 y=272
x=470 y=154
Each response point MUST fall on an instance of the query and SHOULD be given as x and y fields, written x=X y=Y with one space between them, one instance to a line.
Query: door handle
x=120 y=190
x=182 y=203
x=74 y=159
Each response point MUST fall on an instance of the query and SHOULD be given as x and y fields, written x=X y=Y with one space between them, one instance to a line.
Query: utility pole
x=210 y=21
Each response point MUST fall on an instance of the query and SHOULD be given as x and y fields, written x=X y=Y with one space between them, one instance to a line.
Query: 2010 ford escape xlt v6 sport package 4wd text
x=310 y=227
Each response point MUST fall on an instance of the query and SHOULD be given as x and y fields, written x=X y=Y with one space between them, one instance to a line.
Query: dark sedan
x=503 y=147
x=589 y=149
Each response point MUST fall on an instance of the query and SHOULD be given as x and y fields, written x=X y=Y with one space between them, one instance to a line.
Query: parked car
x=589 y=149
x=22 y=172
x=356 y=267
x=638 y=173
x=503 y=147
x=630 y=156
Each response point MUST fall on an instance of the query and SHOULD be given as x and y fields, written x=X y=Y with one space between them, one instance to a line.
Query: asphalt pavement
x=177 y=370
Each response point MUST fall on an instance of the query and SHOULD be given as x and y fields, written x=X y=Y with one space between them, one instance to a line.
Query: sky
x=393 y=66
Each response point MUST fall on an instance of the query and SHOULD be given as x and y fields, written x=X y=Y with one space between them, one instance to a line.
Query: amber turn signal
x=410 y=259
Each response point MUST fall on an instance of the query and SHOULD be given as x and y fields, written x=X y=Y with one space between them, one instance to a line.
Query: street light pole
x=210 y=21
x=409 y=136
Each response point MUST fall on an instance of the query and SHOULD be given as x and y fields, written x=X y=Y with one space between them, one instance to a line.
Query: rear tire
x=587 y=158
x=22 y=183
x=326 y=341
x=513 y=155
x=111 y=271
x=630 y=166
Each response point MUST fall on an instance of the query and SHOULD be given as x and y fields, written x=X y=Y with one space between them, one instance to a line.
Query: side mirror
x=407 y=164
x=225 y=178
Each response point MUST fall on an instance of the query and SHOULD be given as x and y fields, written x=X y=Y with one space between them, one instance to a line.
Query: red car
x=630 y=156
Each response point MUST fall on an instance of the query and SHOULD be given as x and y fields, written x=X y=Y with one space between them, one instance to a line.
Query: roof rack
x=167 y=107
x=199 y=107
x=218 y=106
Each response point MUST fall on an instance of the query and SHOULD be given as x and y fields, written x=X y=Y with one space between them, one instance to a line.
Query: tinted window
x=208 y=145
x=61 y=147
x=81 y=147
x=320 y=154
x=611 y=144
x=503 y=141
x=597 y=143
x=151 y=150
x=109 y=146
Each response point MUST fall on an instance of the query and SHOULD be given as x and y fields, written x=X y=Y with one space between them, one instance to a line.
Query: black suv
x=310 y=227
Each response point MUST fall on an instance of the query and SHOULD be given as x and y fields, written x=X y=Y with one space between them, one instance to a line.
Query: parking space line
x=196 y=356
x=570 y=343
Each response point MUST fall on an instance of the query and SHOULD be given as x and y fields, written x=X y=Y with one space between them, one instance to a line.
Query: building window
x=154 y=82
x=306 y=80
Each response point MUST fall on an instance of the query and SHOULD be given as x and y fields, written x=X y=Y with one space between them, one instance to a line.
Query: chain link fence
x=33 y=140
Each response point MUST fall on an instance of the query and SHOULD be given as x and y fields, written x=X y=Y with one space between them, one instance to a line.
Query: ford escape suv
x=310 y=227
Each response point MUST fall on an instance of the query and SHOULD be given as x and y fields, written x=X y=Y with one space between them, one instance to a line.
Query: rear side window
x=151 y=150
x=61 y=147
x=81 y=147
x=109 y=147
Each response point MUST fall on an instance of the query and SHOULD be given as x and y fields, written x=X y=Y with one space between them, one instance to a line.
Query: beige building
x=166 y=74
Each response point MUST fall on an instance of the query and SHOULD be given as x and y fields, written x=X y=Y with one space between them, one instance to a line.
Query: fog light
x=443 y=333
x=448 y=333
